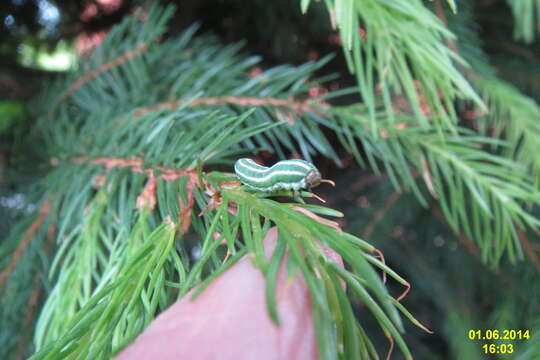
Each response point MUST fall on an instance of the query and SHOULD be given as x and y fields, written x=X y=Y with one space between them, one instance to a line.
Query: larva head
x=313 y=178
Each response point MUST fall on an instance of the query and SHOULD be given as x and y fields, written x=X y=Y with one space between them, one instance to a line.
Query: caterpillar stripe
x=284 y=175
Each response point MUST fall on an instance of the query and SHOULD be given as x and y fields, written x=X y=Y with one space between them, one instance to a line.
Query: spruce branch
x=23 y=251
x=125 y=292
x=56 y=338
x=445 y=285
x=103 y=68
x=19 y=251
x=138 y=136
x=466 y=178
x=303 y=126
x=404 y=45
x=512 y=116
x=509 y=114
x=289 y=223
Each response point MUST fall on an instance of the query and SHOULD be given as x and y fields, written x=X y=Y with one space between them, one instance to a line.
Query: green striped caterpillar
x=285 y=175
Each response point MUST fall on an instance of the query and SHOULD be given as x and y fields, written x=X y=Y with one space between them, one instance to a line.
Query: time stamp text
x=499 y=341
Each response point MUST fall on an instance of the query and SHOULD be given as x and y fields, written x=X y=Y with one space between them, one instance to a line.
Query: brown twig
x=473 y=249
x=529 y=248
x=379 y=214
x=439 y=10
x=148 y=196
x=427 y=273
x=30 y=312
x=103 y=68
x=34 y=297
x=147 y=199
x=390 y=346
x=380 y=255
x=405 y=292
x=185 y=211
x=136 y=165
x=303 y=106
x=366 y=181
x=19 y=251
x=524 y=76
